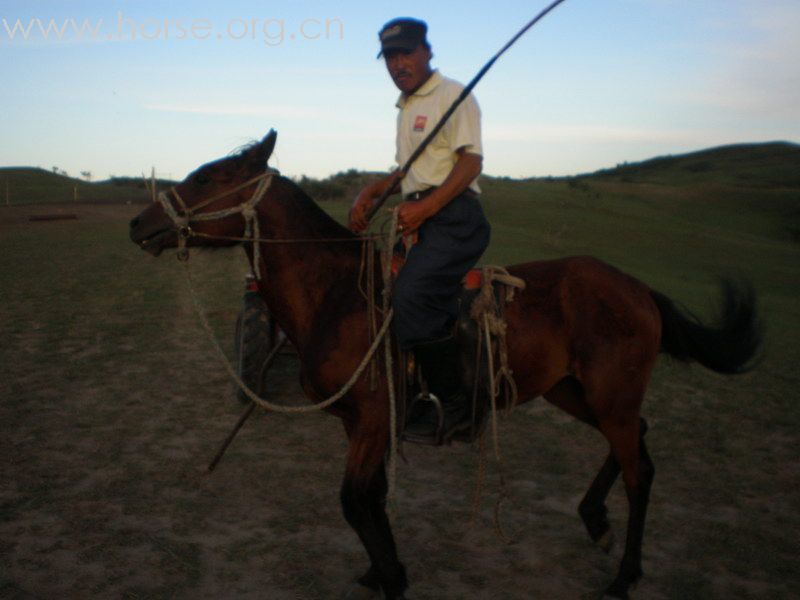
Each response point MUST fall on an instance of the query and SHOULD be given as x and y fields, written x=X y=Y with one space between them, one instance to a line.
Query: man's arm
x=413 y=214
x=365 y=199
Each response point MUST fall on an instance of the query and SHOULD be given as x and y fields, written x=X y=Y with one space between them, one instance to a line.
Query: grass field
x=112 y=403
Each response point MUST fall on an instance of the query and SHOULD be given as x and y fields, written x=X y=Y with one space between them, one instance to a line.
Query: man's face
x=409 y=69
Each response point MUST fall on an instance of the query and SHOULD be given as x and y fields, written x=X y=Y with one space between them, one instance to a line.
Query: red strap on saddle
x=473 y=280
x=397 y=263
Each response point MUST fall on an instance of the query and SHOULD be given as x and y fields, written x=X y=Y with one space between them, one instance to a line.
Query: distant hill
x=766 y=166
x=33 y=185
x=719 y=171
x=344 y=185
x=754 y=165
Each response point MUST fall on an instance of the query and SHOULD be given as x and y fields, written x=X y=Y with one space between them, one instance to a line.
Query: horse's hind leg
x=592 y=508
x=626 y=437
x=568 y=395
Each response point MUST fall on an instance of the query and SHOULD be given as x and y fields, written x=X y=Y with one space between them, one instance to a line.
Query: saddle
x=481 y=306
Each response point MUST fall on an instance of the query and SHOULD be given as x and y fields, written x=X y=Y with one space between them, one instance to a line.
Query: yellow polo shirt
x=419 y=113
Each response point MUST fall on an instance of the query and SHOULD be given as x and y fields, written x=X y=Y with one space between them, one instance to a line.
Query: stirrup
x=441 y=436
x=430 y=440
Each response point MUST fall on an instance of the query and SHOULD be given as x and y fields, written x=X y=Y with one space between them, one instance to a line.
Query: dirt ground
x=112 y=403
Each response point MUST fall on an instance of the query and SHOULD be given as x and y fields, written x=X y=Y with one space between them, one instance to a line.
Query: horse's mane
x=243 y=149
x=311 y=213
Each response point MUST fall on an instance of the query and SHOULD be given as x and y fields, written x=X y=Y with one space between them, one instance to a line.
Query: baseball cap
x=402 y=34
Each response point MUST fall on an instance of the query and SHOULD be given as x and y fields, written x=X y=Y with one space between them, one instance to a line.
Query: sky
x=117 y=88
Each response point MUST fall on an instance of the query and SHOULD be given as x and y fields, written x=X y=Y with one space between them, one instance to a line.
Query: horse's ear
x=268 y=144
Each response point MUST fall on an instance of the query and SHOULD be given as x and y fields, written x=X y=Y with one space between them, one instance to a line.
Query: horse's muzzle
x=153 y=237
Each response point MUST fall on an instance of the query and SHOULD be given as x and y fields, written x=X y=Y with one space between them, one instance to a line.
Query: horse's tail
x=728 y=345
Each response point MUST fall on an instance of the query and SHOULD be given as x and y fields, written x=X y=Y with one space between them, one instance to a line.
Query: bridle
x=185 y=215
x=182 y=219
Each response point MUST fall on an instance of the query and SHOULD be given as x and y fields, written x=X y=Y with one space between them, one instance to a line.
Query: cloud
x=756 y=71
x=587 y=134
x=240 y=110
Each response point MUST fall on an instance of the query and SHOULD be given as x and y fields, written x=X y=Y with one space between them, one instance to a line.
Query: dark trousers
x=425 y=296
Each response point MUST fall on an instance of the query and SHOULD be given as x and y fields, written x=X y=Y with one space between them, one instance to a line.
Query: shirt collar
x=426 y=88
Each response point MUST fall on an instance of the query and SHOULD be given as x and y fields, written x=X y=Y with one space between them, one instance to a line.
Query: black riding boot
x=441 y=369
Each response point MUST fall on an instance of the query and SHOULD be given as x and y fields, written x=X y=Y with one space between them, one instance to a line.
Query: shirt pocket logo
x=419 y=122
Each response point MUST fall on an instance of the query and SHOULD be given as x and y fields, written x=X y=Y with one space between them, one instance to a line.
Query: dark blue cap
x=402 y=34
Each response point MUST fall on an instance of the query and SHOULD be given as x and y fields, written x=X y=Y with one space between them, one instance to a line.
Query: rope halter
x=185 y=215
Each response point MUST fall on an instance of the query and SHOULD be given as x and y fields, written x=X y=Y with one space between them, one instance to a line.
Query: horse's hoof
x=360 y=592
x=610 y=593
x=620 y=588
x=606 y=542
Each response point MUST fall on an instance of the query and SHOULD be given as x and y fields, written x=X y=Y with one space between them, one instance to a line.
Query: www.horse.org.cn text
x=269 y=30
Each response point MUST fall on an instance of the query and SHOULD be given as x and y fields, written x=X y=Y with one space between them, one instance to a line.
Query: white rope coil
x=282 y=408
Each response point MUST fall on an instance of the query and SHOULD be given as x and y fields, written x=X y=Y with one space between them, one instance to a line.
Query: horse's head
x=211 y=201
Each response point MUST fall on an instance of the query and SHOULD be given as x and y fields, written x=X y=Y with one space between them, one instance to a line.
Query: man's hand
x=414 y=213
x=411 y=215
x=363 y=203
x=357 y=221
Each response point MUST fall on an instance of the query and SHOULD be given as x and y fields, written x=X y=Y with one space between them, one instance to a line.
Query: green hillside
x=741 y=216
x=664 y=221
x=32 y=185
x=737 y=206
x=771 y=164
x=719 y=171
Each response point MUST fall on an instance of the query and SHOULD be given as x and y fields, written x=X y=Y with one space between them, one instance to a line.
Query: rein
x=247 y=209
x=490 y=326
x=252 y=234
x=282 y=408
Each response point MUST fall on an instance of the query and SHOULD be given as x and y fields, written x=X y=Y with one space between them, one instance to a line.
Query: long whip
x=464 y=93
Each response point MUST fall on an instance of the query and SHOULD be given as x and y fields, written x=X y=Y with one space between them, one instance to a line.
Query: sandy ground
x=112 y=404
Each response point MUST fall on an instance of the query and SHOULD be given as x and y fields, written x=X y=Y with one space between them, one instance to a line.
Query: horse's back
x=582 y=317
x=586 y=280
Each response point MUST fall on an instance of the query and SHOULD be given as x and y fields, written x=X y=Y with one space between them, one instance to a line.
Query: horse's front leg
x=363 y=498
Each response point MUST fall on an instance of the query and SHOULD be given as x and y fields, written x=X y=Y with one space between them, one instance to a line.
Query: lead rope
x=255 y=397
x=372 y=323
x=492 y=325
x=381 y=336
x=386 y=269
x=503 y=493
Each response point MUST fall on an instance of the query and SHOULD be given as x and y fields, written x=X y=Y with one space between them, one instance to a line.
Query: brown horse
x=582 y=334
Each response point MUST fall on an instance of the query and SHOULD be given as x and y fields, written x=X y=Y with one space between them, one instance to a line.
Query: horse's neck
x=305 y=281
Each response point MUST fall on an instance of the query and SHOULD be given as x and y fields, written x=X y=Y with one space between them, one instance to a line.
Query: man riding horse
x=582 y=334
x=441 y=207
